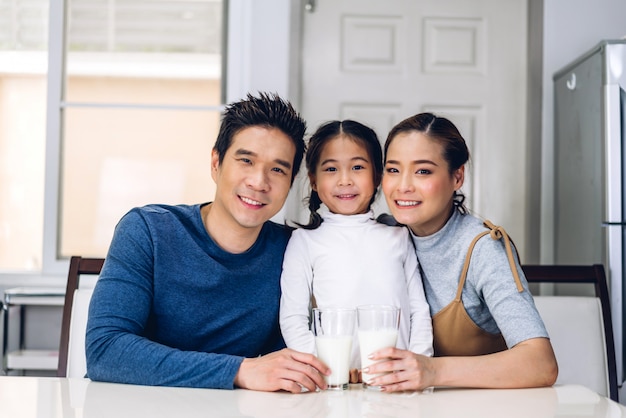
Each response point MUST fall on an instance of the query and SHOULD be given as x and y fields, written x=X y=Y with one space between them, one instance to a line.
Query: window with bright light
x=23 y=85
x=139 y=112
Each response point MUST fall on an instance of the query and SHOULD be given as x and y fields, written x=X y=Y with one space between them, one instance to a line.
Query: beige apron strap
x=466 y=265
x=497 y=232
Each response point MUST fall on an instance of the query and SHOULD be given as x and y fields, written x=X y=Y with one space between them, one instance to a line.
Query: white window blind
x=180 y=26
x=23 y=24
x=145 y=26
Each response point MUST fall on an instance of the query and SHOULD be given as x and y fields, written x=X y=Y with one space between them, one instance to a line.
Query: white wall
x=570 y=29
x=263 y=40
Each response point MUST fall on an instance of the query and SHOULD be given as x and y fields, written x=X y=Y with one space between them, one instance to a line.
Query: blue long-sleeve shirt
x=171 y=308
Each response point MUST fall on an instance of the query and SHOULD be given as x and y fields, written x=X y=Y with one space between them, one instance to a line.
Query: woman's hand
x=404 y=370
x=530 y=363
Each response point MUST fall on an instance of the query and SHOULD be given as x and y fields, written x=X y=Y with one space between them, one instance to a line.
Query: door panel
x=380 y=62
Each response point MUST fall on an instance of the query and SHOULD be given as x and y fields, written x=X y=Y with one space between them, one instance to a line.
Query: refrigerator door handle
x=571 y=83
x=613 y=152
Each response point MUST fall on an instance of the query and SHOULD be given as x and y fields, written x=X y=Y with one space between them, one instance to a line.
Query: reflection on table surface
x=41 y=397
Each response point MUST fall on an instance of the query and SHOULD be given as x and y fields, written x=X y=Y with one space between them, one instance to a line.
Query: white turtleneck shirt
x=353 y=260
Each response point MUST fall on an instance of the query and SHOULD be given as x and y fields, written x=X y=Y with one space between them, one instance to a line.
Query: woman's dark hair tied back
x=443 y=131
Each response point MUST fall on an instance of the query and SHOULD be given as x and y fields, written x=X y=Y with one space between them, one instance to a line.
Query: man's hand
x=282 y=370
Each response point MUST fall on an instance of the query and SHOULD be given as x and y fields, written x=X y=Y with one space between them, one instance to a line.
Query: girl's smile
x=344 y=178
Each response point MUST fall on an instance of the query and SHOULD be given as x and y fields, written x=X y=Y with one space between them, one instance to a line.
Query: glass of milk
x=377 y=328
x=334 y=330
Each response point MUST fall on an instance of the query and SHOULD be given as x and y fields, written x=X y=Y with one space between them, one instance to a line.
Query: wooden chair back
x=78 y=266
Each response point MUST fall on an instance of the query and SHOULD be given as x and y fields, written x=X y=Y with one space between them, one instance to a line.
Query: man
x=189 y=295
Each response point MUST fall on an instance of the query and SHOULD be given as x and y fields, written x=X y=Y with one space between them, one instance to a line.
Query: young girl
x=343 y=257
x=487 y=331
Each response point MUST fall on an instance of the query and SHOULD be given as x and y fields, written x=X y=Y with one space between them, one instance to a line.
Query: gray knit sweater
x=490 y=295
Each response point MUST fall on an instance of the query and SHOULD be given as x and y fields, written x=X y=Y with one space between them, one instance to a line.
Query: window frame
x=271 y=49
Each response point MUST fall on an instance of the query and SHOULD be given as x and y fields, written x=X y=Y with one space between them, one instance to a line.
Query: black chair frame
x=592 y=274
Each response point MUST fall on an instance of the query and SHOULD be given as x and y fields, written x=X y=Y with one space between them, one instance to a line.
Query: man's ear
x=215 y=164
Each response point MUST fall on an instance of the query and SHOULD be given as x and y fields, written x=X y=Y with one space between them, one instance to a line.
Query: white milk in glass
x=335 y=351
x=374 y=340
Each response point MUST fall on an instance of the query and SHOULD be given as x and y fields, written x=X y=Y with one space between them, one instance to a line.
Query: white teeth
x=346 y=196
x=406 y=202
x=250 y=201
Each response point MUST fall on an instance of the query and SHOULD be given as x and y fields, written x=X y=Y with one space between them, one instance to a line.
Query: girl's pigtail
x=315 y=220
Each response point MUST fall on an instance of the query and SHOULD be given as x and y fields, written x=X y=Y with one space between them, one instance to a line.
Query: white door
x=381 y=61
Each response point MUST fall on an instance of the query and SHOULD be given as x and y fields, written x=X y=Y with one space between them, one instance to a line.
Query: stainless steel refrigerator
x=590 y=183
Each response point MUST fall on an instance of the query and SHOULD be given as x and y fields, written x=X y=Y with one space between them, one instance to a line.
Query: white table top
x=47 y=397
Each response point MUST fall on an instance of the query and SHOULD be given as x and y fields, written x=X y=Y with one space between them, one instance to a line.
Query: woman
x=487 y=331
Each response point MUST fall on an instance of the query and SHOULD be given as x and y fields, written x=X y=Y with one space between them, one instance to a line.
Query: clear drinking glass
x=377 y=328
x=334 y=330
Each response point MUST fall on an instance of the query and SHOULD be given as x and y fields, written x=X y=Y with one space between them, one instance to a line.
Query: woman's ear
x=459 y=177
